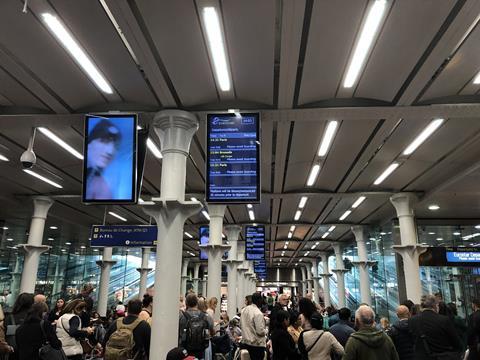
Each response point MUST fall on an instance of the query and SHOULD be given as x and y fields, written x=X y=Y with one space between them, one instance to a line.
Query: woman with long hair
x=16 y=318
x=295 y=328
x=69 y=329
x=55 y=312
x=147 y=308
x=282 y=343
x=34 y=332
x=306 y=308
x=212 y=306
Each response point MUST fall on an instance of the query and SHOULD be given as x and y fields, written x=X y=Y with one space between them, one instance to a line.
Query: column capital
x=232 y=232
x=41 y=205
x=340 y=271
x=337 y=247
x=141 y=270
x=367 y=263
x=103 y=263
x=403 y=203
x=216 y=211
x=410 y=250
x=175 y=129
x=324 y=255
x=359 y=232
x=28 y=248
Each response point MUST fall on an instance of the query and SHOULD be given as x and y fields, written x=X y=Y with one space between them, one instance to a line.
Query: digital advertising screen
x=255 y=242
x=233 y=158
x=110 y=163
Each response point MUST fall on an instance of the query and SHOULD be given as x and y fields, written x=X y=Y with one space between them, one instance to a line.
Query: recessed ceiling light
x=117 y=216
x=325 y=235
x=383 y=233
x=9 y=239
x=424 y=135
x=290 y=234
x=477 y=226
x=476 y=80
x=313 y=247
x=251 y=215
x=365 y=41
x=78 y=54
x=82 y=247
x=249 y=206
x=431 y=233
x=216 y=46
x=43 y=178
x=439 y=239
x=51 y=239
x=188 y=235
x=53 y=227
x=60 y=142
x=63 y=250
x=3 y=158
x=205 y=214
x=358 y=202
x=386 y=173
x=433 y=207
x=298 y=213
x=95 y=249
x=292 y=228
x=313 y=175
x=154 y=148
x=327 y=139
x=331 y=228
x=345 y=215
x=5 y=228
x=68 y=243
x=303 y=201
x=456 y=233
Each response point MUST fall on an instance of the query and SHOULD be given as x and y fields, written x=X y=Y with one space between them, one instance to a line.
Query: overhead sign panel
x=255 y=242
x=260 y=268
x=451 y=256
x=110 y=164
x=233 y=158
x=123 y=236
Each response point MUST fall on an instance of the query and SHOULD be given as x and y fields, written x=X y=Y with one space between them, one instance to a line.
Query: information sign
x=233 y=158
x=123 y=236
x=255 y=242
x=260 y=268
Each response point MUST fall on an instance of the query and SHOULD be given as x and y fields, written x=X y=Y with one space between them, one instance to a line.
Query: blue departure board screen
x=260 y=268
x=204 y=234
x=255 y=242
x=233 y=158
x=463 y=257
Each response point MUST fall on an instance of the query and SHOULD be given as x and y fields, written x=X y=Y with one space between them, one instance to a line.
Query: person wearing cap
x=103 y=142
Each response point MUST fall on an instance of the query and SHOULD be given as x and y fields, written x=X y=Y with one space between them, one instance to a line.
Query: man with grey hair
x=434 y=334
x=368 y=343
x=281 y=304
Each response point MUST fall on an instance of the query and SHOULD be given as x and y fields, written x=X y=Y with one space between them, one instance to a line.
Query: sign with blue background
x=123 y=235
x=255 y=242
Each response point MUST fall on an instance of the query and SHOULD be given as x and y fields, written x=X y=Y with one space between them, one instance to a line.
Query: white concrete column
x=316 y=281
x=409 y=250
x=58 y=278
x=16 y=277
x=183 y=287
x=175 y=129
x=247 y=275
x=340 y=272
x=204 y=286
x=232 y=232
x=144 y=270
x=304 y=280
x=363 y=264
x=215 y=250
x=196 y=279
x=309 y=278
x=326 y=279
x=34 y=248
x=106 y=265
x=277 y=278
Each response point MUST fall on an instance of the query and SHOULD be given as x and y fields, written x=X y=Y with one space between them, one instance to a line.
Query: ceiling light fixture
x=68 y=243
x=3 y=158
x=251 y=215
x=154 y=149
x=365 y=41
x=53 y=227
x=205 y=214
x=357 y=203
x=298 y=213
x=290 y=234
x=476 y=80
x=188 y=235
x=313 y=175
x=345 y=215
x=60 y=142
x=216 y=46
x=5 y=228
x=327 y=138
x=43 y=178
x=433 y=207
x=424 y=135
x=9 y=239
x=456 y=233
x=117 y=216
x=331 y=228
x=249 y=206
x=71 y=45
x=386 y=173
x=292 y=228
x=303 y=202
x=325 y=235
x=50 y=239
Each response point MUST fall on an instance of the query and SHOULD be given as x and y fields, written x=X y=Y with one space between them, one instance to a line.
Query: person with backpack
x=128 y=337
x=16 y=318
x=318 y=344
x=34 y=333
x=195 y=327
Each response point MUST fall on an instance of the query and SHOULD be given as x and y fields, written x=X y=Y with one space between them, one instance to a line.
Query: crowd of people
x=281 y=328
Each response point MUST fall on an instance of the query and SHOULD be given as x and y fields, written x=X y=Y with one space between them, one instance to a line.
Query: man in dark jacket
x=401 y=335
x=368 y=343
x=433 y=333
x=473 y=332
x=141 y=333
x=281 y=304
x=343 y=328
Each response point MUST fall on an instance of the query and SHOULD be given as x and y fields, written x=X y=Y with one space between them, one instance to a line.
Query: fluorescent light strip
x=3 y=158
x=204 y=213
x=357 y=203
x=43 y=178
x=345 y=215
x=331 y=228
x=71 y=45
x=386 y=173
x=290 y=234
x=187 y=234
x=327 y=139
x=154 y=149
x=216 y=45
x=424 y=135
x=297 y=215
x=476 y=80
x=117 y=216
x=313 y=175
x=303 y=202
x=365 y=41
x=60 y=142
x=249 y=206
x=325 y=235
x=251 y=215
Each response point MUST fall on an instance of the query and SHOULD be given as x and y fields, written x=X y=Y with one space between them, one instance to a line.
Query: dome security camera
x=28 y=159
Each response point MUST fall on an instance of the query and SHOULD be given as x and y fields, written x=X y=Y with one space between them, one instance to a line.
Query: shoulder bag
x=47 y=352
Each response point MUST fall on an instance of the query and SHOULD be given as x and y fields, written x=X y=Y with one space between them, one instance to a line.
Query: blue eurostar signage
x=123 y=235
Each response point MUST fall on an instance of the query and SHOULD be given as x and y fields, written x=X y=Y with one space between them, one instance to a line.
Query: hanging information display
x=123 y=236
x=255 y=242
x=260 y=268
x=233 y=158
x=450 y=256
x=204 y=234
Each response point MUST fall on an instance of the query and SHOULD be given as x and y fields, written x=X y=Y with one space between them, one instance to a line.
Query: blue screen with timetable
x=463 y=257
x=255 y=243
x=233 y=166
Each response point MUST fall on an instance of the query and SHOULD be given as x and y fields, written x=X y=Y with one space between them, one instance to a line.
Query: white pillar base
x=232 y=277
x=411 y=267
x=341 y=286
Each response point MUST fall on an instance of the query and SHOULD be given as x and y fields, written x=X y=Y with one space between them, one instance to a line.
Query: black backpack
x=196 y=332
x=303 y=349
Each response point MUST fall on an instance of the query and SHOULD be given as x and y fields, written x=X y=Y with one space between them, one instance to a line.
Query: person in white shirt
x=253 y=327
